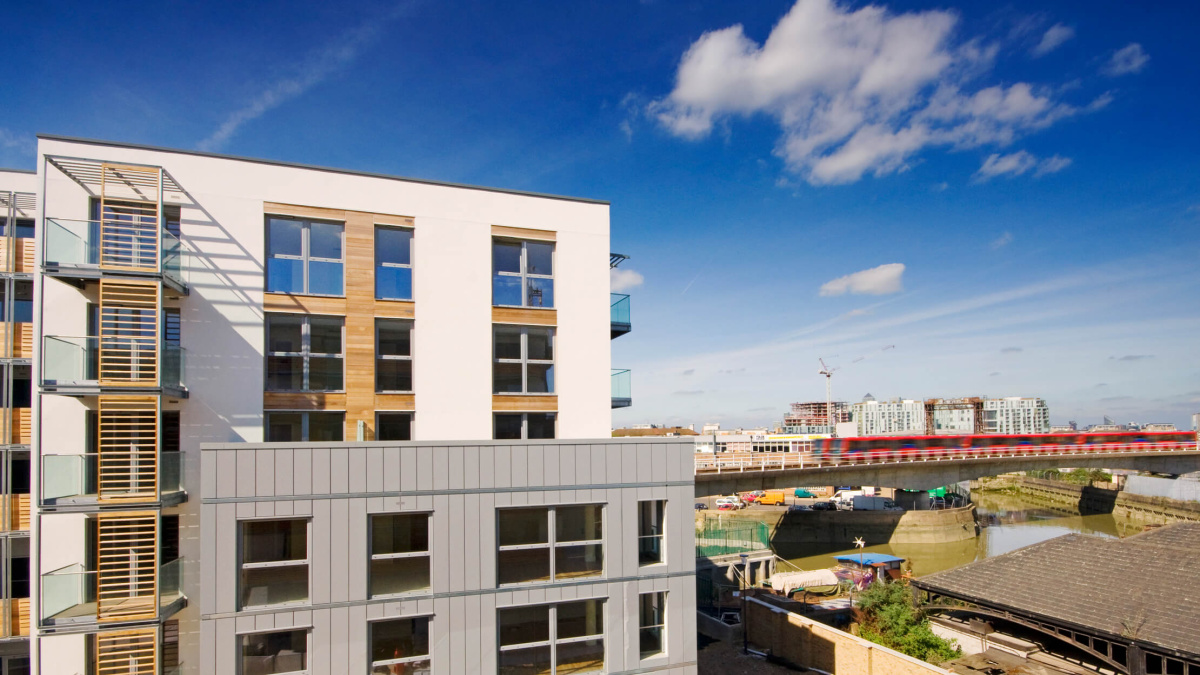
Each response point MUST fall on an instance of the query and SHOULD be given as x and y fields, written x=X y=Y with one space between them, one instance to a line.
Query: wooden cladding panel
x=126 y=566
x=513 y=403
x=287 y=400
x=17 y=517
x=15 y=617
x=129 y=223
x=303 y=304
x=17 y=255
x=525 y=316
x=299 y=211
x=129 y=339
x=22 y=426
x=16 y=340
x=127 y=463
x=400 y=402
x=523 y=233
x=127 y=652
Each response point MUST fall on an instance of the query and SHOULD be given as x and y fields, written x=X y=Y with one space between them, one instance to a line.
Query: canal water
x=1007 y=523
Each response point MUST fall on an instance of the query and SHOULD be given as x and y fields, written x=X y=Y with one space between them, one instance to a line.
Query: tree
x=890 y=619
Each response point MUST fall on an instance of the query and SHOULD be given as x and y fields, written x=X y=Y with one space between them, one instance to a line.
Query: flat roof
x=313 y=167
x=1142 y=588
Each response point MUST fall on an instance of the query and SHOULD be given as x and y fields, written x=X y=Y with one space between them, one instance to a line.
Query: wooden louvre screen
x=129 y=326
x=126 y=566
x=129 y=238
x=127 y=449
x=127 y=652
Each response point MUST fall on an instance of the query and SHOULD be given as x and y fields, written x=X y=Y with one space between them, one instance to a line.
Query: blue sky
x=1018 y=184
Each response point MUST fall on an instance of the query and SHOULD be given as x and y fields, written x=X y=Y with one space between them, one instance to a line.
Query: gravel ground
x=721 y=658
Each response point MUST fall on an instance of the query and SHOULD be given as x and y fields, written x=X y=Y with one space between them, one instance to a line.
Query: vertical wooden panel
x=129 y=326
x=123 y=652
x=127 y=461
x=129 y=230
x=360 y=323
x=126 y=566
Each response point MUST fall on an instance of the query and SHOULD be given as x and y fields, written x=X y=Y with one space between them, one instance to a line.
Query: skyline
x=1007 y=196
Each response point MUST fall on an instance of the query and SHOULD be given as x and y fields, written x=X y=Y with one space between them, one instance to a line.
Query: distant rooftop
x=1144 y=585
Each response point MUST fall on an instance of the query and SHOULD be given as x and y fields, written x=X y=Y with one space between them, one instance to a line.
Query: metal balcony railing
x=621 y=387
x=75 y=245
x=74 y=479
x=619 y=314
x=138 y=362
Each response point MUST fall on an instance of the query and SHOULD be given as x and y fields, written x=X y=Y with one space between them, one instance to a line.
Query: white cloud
x=853 y=91
x=1129 y=59
x=1001 y=241
x=1019 y=163
x=621 y=280
x=1052 y=38
x=881 y=280
x=314 y=69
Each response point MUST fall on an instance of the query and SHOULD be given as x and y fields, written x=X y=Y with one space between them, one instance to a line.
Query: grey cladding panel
x=264 y=469
x=374 y=469
x=320 y=471
x=284 y=471
x=339 y=470
x=357 y=473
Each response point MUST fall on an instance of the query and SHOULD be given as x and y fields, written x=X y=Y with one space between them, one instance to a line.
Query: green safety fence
x=725 y=538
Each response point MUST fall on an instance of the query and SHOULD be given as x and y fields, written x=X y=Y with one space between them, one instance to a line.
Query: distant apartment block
x=813 y=417
x=1016 y=415
x=972 y=415
x=883 y=418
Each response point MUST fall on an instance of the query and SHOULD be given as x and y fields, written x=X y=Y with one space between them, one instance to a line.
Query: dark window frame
x=391 y=265
x=523 y=273
x=305 y=352
x=382 y=322
x=305 y=257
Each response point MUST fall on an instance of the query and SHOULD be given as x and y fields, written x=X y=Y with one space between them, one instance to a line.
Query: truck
x=771 y=498
x=864 y=503
x=845 y=498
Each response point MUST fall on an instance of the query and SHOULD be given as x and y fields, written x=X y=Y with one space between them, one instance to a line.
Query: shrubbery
x=890 y=619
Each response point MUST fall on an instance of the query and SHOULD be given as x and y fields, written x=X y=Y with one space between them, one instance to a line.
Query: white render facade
x=880 y=418
x=1016 y=415
x=184 y=299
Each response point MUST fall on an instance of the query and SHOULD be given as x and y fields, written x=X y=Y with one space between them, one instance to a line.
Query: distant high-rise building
x=879 y=418
x=813 y=417
x=1016 y=415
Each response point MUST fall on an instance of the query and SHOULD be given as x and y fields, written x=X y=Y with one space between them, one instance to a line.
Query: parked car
x=772 y=498
x=799 y=507
x=700 y=506
x=731 y=502
x=727 y=506
x=824 y=506
x=803 y=494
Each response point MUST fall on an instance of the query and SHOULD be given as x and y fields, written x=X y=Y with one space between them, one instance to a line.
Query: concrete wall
x=805 y=643
x=461 y=486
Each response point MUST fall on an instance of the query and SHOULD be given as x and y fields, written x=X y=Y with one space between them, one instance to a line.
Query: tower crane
x=828 y=373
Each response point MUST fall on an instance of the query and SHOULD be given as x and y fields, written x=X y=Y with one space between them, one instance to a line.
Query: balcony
x=72 y=251
x=74 y=480
x=69 y=595
x=619 y=314
x=87 y=366
x=621 y=397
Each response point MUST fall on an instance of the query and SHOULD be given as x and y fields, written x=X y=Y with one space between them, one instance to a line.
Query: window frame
x=525 y=361
x=392 y=357
x=662 y=627
x=308 y=648
x=305 y=353
x=661 y=515
x=426 y=658
x=412 y=419
x=304 y=427
x=553 y=641
x=551 y=545
x=412 y=244
x=427 y=553
x=305 y=257
x=525 y=424
x=277 y=564
x=524 y=275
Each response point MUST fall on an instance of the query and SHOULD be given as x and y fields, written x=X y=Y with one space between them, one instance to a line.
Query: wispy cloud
x=1129 y=59
x=882 y=280
x=688 y=372
x=1052 y=39
x=621 y=280
x=856 y=91
x=315 y=68
x=1131 y=357
x=1001 y=241
x=1051 y=165
x=1012 y=350
x=19 y=146
x=1017 y=164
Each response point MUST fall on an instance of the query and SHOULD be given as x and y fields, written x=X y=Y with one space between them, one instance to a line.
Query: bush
x=891 y=620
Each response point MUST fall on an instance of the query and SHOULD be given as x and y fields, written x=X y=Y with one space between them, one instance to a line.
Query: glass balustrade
x=73 y=478
x=76 y=361
x=621 y=387
x=76 y=243
x=619 y=314
x=69 y=593
x=170 y=583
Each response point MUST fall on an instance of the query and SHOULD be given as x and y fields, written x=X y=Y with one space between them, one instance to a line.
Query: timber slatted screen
x=127 y=449
x=129 y=327
x=126 y=566
x=129 y=237
x=127 y=652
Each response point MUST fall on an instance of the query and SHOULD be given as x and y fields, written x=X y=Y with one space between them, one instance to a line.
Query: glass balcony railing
x=75 y=478
x=69 y=593
x=619 y=314
x=621 y=387
x=76 y=362
x=170 y=584
x=76 y=243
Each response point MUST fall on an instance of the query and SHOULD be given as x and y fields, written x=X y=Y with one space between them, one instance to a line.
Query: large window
x=23 y=230
x=21 y=301
x=652 y=623
x=304 y=352
x=272 y=653
x=522 y=273
x=518 y=426
x=300 y=427
x=550 y=543
x=393 y=263
x=393 y=426
x=274 y=562
x=393 y=355
x=400 y=646
x=650 y=531
x=523 y=360
x=304 y=256
x=399 y=553
x=552 y=639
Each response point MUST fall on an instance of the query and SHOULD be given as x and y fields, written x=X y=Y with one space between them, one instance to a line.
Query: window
x=652 y=623
x=522 y=273
x=393 y=263
x=304 y=352
x=393 y=426
x=650 y=532
x=23 y=230
x=552 y=639
x=300 y=427
x=21 y=302
x=393 y=355
x=274 y=559
x=304 y=256
x=550 y=543
x=517 y=426
x=399 y=553
x=400 y=642
x=523 y=360
x=279 y=652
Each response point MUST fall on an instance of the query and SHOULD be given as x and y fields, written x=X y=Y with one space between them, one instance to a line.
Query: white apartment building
x=883 y=418
x=1015 y=415
x=182 y=299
